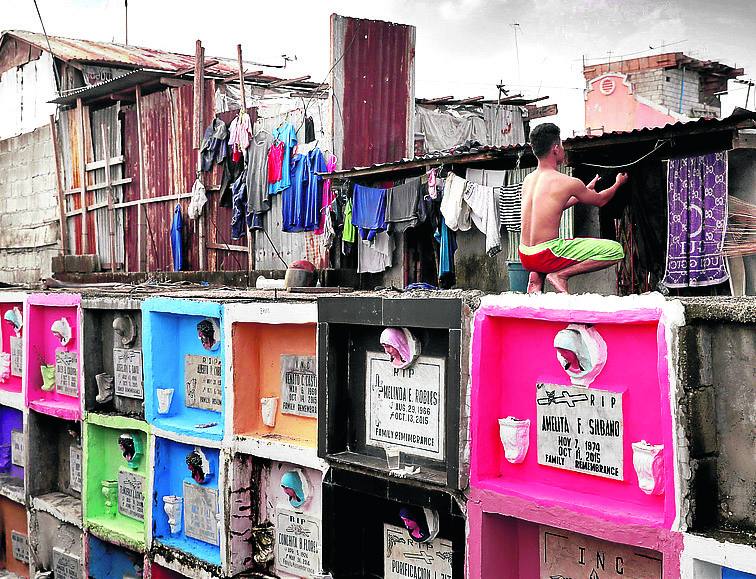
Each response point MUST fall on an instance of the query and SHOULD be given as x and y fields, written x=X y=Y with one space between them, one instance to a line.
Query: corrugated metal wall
x=373 y=90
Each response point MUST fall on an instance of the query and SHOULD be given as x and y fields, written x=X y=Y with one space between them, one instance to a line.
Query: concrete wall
x=29 y=228
x=654 y=85
x=719 y=417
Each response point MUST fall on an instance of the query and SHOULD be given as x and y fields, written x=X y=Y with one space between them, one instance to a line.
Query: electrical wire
x=659 y=145
x=49 y=47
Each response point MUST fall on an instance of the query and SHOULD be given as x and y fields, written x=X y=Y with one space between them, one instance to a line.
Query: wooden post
x=61 y=192
x=199 y=105
x=250 y=233
x=141 y=208
x=83 y=177
x=109 y=190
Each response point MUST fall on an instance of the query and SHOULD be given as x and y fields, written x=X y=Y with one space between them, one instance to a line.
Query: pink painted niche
x=11 y=340
x=513 y=351
x=57 y=393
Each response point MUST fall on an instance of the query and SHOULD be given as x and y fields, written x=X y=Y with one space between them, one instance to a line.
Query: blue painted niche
x=170 y=334
x=171 y=472
x=733 y=574
x=106 y=561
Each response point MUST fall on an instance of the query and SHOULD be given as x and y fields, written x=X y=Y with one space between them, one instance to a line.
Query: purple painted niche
x=11 y=420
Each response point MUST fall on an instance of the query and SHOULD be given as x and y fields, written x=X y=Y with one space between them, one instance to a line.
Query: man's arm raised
x=587 y=193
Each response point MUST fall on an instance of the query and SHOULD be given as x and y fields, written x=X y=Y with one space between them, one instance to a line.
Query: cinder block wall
x=655 y=86
x=29 y=227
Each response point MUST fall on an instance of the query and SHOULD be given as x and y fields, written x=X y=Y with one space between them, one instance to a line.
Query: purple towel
x=697 y=207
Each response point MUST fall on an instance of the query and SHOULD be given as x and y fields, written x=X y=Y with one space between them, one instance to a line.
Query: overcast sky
x=464 y=47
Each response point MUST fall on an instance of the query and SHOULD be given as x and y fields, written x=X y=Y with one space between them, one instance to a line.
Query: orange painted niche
x=13 y=521
x=257 y=351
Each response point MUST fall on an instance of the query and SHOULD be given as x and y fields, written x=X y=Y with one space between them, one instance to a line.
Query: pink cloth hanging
x=328 y=197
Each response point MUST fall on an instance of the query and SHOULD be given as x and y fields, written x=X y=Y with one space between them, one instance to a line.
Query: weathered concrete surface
x=717 y=371
x=29 y=218
x=45 y=533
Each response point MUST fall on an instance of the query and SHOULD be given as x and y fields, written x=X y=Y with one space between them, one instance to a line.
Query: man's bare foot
x=535 y=283
x=559 y=283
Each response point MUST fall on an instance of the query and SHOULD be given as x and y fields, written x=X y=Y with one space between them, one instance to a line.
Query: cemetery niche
x=53 y=357
x=11 y=342
x=14 y=557
x=12 y=455
x=113 y=368
x=276 y=511
x=55 y=466
x=187 y=504
x=275 y=376
x=55 y=546
x=390 y=386
x=116 y=479
x=108 y=561
x=183 y=366
x=398 y=530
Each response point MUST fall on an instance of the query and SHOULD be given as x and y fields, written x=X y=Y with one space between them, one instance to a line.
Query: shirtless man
x=545 y=194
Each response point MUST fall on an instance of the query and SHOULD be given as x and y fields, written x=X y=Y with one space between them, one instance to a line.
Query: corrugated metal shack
x=636 y=217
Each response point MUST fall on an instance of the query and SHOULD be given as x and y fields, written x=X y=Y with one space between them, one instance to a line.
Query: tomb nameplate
x=127 y=370
x=297 y=543
x=17 y=448
x=566 y=554
x=404 y=557
x=131 y=494
x=74 y=471
x=405 y=407
x=580 y=429
x=299 y=386
x=67 y=373
x=202 y=376
x=20 y=546
x=65 y=565
x=201 y=513
x=16 y=356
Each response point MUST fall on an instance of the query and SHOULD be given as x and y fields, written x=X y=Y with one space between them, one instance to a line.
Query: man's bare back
x=545 y=194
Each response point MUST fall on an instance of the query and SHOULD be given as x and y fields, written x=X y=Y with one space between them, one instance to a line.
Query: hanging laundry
x=287 y=135
x=214 y=144
x=447 y=241
x=239 y=134
x=313 y=200
x=231 y=171
x=258 y=200
x=291 y=217
x=309 y=125
x=349 y=232
x=328 y=196
x=455 y=211
x=510 y=207
x=275 y=162
x=375 y=256
x=401 y=205
x=464 y=203
x=198 y=199
x=239 y=206
x=177 y=240
x=369 y=210
x=301 y=201
x=697 y=213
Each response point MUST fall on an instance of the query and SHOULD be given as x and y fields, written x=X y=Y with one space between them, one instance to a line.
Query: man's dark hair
x=543 y=137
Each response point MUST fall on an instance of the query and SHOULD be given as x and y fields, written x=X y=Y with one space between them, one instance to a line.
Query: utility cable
x=659 y=145
x=49 y=47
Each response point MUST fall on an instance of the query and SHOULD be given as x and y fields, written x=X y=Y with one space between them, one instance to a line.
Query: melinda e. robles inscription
x=405 y=407
x=202 y=376
x=299 y=385
x=580 y=429
x=127 y=371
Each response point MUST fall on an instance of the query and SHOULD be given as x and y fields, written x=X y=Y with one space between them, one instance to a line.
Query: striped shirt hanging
x=510 y=207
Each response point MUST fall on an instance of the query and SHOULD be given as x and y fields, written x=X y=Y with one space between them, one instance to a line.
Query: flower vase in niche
x=125 y=328
x=268 y=409
x=173 y=506
x=648 y=460
x=131 y=449
x=61 y=329
x=48 y=377
x=110 y=492
x=581 y=351
x=515 y=438
x=105 y=388
x=208 y=332
x=401 y=345
x=422 y=524
x=199 y=466
x=296 y=487
x=164 y=398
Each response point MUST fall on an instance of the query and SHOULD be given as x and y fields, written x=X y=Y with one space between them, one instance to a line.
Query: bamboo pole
x=250 y=233
x=83 y=177
x=199 y=102
x=105 y=131
x=61 y=192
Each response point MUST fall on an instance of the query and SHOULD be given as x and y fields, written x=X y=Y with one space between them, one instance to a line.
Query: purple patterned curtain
x=697 y=208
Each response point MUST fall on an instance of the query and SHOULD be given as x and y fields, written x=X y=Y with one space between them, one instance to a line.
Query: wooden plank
x=125 y=204
x=105 y=133
x=83 y=177
x=250 y=235
x=59 y=185
x=119 y=160
x=225 y=247
x=98 y=186
x=535 y=112
x=287 y=81
x=199 y=103
x=141 y=217
x=174 y=82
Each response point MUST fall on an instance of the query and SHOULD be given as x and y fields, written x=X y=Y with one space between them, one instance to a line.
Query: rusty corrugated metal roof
x=127 y=56
x=476 y=154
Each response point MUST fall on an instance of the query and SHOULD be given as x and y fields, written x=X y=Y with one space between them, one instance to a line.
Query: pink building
x=653 y=91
